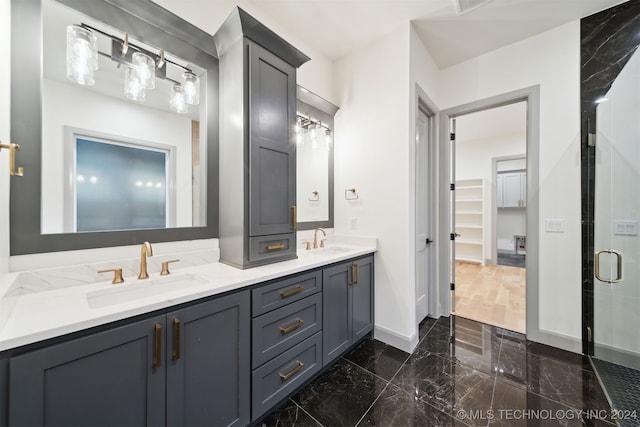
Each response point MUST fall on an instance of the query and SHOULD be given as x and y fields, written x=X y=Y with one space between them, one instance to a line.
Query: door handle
x=429 y=241
x=619 y=265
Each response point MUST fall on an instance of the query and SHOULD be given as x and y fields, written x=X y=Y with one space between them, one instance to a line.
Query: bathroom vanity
x=223 y=349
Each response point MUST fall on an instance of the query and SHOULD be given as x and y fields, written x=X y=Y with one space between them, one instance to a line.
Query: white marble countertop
x=40 y=315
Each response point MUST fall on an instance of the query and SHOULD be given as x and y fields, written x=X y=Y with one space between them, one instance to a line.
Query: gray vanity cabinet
x=110 y=378
x=348 y=305
x=207 y=356
x=257 y=143
x=188 y=367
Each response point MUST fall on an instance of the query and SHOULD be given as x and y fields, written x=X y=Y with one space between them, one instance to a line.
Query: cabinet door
x=272 y=104
x=111 y=378
x=208 y=372
x=337 y=315
x=512 y=186
x=362 y=298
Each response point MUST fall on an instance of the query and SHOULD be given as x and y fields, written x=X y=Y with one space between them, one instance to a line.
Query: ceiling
x=337 y=27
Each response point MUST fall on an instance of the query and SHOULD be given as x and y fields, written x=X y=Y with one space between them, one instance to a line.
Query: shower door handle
x=619 y=265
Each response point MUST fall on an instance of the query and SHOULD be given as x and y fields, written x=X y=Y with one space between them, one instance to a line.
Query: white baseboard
x=402 y=342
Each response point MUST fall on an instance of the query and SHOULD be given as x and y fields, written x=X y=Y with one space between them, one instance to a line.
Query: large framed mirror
x=314 y=160
x=115 y=106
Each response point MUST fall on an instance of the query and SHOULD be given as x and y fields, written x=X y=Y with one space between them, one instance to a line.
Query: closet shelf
x=470 y=220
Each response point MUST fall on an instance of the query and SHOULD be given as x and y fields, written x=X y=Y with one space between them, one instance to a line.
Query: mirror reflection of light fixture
x=142 y=67
x=133 y=86
x=191 y=88
x=178 y=100
x=145 y=66
x=82 y=55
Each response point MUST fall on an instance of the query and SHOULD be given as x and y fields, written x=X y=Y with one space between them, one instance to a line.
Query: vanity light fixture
x=191 y=87
x=82 y=55
x=178 y=101
x=142 y=67
x=306 y=124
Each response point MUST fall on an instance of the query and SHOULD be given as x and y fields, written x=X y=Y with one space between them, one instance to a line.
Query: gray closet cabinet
x=348 y=305
x=152 y=372
x=257 y=143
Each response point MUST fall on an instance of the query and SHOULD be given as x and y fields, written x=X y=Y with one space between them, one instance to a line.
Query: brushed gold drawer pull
x=357 y=270
x=176 y=339
x=293 y=372
x=295 y=217
x=274 y=247
x=157 y=354
x=291 y=328
x=290 y=292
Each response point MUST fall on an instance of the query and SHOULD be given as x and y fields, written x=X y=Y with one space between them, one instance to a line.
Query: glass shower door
x=616 y=333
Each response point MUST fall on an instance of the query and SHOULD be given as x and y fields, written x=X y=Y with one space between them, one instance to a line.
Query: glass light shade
x=146 y=69
x=191 y=88
x=82 y=55
x=178 y=102
x=133 y=86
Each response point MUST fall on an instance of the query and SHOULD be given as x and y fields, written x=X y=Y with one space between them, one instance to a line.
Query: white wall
x=92 y=111
x=371 y=155
x=5 y=51
x=552 y=60
x=474 y=159
x=315 y=75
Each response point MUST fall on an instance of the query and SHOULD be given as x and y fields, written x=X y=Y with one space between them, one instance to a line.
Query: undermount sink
x=141 y=289
x=329 y=250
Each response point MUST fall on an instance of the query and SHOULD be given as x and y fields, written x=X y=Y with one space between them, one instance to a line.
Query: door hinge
x=452 y=236
x=453 y=286
x=591 y=139
x=452 y=187
x=452 y=136
x=589 y=334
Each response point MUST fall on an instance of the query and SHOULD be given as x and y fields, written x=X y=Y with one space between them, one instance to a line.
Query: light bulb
x=133 y=86
x=191 y=87
x=82 y=55
x=178 y=102
x=145 y=66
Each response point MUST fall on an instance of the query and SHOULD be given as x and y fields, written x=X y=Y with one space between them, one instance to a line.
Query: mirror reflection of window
x=120 y=187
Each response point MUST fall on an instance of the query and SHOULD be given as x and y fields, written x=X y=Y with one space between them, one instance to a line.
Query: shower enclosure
x=611 y=201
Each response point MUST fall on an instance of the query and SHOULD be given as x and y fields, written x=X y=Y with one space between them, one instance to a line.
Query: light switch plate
x=625 y=228
x=554 y=225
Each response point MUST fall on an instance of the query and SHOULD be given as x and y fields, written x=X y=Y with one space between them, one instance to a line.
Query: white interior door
x=423 y=236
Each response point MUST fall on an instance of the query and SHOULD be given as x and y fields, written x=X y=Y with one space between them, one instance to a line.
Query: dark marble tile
x=378 y=358
x=437 y=341
x=340 y=396
x=514 y=406
x=444 y=321
x=565 y=382
x=289 y=415
x=444 y=384
x=425 y=326
x=559 y=355
x=395 y=407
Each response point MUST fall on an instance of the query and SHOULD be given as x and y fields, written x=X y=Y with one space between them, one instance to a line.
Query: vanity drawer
x=276 y=379
x=282 y=292
x=263 y=248
x=285 y=327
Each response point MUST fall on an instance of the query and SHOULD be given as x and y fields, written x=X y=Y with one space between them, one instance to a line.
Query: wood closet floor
x=493 y=294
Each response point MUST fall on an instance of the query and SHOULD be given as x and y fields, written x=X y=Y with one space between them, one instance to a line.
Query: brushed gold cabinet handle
x=274 y=247
x=295 y=217
x=291 y=328
x=157 y=356
x=357 y=273
x=176 y=339
x=293 y=372
x=290 y=292
x=354 y=274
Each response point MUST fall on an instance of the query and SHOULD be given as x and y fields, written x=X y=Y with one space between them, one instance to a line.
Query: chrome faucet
x=145 y=251
x=315 y=238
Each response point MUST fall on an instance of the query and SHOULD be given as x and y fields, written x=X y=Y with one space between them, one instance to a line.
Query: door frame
x=424 y=103
x=531 y=95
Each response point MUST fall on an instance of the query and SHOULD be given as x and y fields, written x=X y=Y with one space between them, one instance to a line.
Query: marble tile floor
x=485 y=376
